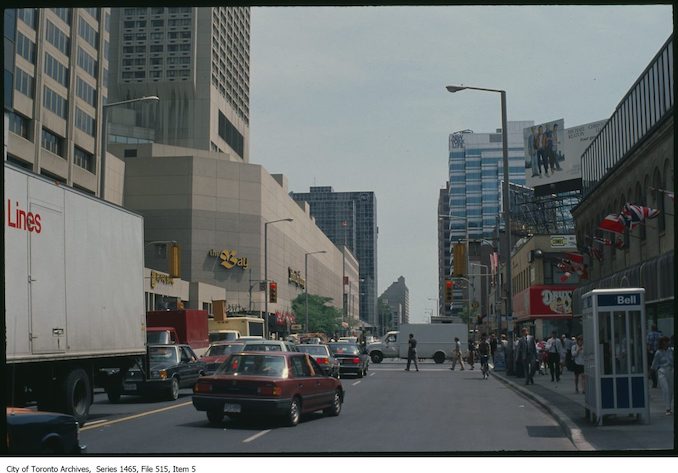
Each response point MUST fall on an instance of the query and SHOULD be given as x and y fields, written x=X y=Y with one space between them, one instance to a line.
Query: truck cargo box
x=190 y=324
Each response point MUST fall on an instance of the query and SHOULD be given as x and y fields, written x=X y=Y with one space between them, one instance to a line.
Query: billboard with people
x=553 y=153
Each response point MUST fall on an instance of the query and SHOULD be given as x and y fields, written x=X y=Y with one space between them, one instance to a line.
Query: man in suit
x=527 y=354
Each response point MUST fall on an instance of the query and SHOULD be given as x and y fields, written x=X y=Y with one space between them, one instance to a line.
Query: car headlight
x=162 y=374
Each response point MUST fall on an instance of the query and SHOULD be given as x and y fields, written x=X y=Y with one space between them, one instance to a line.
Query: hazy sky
x=354 y=98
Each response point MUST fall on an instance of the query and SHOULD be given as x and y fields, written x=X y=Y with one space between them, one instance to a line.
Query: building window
x=88 y=33
x=93 y=12
x=85 y=122
x=52 y=142
x=86 y=92
x=57 y=38
x=56 y=70
x=24 y=82
x=25 y=47
x=19 y=125
x=54 y=102
x=87 y=62
x=83 y=159
x=230 y=134
x=156 y=48
x=63 y=13
x=27 y=15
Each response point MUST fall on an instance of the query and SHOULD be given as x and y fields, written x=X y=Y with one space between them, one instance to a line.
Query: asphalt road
x=389 y=411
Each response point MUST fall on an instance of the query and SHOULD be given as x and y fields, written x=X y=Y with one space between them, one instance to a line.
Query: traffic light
x=459 y=254
x=449 y=285
x=174 y=261
x=272 y=292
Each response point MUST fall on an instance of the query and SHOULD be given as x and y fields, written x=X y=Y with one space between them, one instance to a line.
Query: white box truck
x=434 y=341
x=74 y=293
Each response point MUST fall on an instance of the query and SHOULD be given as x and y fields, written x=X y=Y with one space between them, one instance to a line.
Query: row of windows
x=19 y=125
x=87 y=62
x=88 y=33
x=83 y=159
x=56 y=70
x=24 y=82
x=93 y=12
x=25 y=47
x=230 y=134
x=58 y=38
x=86 y=92
x=156 y=48
x=155 y=11
x=85 y=122
x=644 y=106
x=52 y=142
x=55 y=102
x=28 y=16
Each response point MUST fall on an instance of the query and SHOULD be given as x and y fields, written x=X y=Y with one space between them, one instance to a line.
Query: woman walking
x=663 y=366
x=578 y=362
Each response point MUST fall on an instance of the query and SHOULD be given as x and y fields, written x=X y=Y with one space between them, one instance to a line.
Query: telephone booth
x=615 y=358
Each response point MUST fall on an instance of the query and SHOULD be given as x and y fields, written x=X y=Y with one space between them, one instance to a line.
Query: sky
x=354 y=98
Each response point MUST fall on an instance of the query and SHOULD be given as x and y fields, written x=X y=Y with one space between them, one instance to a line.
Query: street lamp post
x=505 y=194
x=306 y=281
x=104 y=136
x=266 y=224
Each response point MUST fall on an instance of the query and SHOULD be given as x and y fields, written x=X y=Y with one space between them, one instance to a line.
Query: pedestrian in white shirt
x=556 y=351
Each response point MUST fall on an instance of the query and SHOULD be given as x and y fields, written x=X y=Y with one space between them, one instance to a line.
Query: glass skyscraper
x=350 y=219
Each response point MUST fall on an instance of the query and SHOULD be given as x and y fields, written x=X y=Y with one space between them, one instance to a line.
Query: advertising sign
x=551 y=300
x=553 y=154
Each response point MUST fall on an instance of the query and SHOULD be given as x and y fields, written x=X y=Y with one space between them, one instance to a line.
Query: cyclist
x=484 y=352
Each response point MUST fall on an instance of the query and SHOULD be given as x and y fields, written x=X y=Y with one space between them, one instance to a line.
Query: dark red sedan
x=284 y=384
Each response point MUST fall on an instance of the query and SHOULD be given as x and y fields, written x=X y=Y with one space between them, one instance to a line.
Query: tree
x=322 y=317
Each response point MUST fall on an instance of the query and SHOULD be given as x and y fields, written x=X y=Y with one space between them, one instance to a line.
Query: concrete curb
x=573 y=432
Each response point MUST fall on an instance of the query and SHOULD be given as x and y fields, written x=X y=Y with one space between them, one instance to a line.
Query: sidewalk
x=567 y=407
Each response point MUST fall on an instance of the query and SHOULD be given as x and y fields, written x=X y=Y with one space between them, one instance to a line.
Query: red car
x=217 y=353
x=285 y=384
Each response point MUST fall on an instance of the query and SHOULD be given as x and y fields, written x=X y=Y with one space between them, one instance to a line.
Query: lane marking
x=136 y=416
x=94 y=422
x=256 y=436
x=357 y=382
x=372 y=374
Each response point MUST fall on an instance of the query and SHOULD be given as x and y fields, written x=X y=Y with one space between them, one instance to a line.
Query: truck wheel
x=376 y=357
x=173 y=394
x=439 y=357
x=77 y=395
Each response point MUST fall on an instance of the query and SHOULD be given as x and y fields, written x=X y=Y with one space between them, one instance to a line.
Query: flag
x=577 y=258
x=619 y=243
x=634 y=215
x=612 y=223
x=604 y=241
x=565 y=277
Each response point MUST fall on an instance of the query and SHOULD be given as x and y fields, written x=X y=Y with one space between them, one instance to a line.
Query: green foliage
x=322 y=317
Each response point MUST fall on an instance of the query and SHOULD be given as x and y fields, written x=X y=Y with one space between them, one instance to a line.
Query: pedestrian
x=456 y=354
x=484 y=352
x=662 y=366
x=471 y=352
x=493 y=345
x=527 y=354
x=412 y=352
x=567 y=346
x=554 y=347
x=652 y=346
x=577 y=351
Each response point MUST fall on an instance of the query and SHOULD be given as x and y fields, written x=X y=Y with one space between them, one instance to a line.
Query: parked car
x=217 y=353
x=285 y=384
x=269 y=345
x=171 y=367
x=323 y=356
x=351 y=359
x=36 y=432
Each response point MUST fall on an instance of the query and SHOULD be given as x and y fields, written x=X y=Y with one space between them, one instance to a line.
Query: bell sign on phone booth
x=615 y=357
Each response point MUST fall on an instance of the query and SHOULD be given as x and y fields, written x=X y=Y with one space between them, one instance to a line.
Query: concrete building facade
x=196 y=60
x=397 y=297
x=217 y=211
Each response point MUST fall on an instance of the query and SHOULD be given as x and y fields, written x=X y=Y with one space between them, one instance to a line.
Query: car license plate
x=232 y=408
x=129 y=386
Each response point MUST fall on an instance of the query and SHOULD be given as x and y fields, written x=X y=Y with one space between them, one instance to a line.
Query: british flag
x=612 y=223
x=634 y=215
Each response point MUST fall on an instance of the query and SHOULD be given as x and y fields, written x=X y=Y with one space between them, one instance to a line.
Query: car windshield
x=313 y=350
x=344 y=349
x=221 y=350
x=262 y=347
x=254 y=365
x=162 y=354
x=222 y=336
x=158 y=337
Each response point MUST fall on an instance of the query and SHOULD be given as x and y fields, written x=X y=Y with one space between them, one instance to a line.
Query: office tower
x=397 y=298
x=476 y=175
x=60 y=71
x=196 y=60
x=350 y=219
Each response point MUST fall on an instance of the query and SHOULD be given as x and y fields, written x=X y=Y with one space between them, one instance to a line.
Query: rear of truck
x=73 y=293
